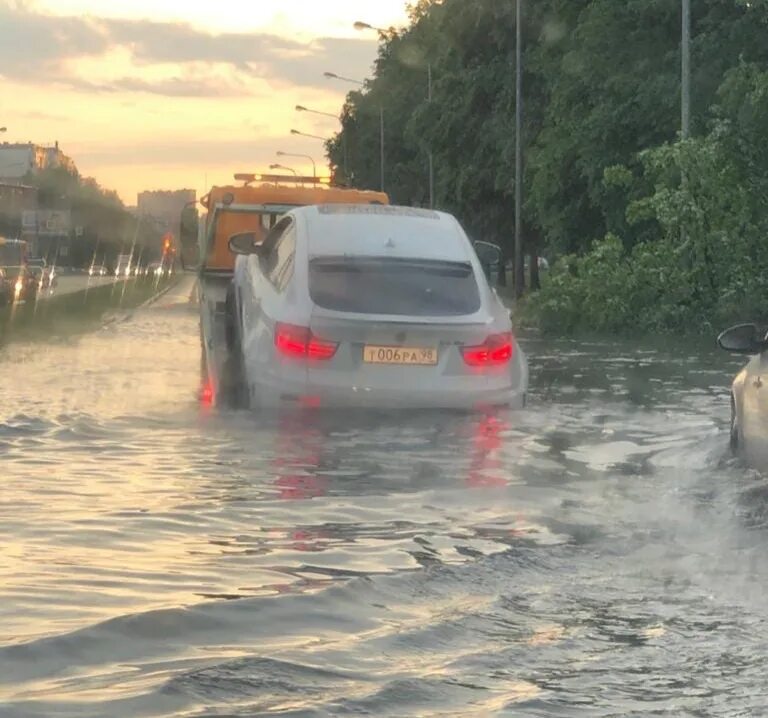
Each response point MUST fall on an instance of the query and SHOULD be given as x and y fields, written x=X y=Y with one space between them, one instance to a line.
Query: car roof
x=382 y=230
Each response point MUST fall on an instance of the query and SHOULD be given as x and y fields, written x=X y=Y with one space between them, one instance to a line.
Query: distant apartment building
x=19 y=159
x=15 y=198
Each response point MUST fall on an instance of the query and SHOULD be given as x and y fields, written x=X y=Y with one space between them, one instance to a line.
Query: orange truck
x=254 y=206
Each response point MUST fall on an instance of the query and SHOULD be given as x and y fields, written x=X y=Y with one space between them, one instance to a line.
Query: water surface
x=599 y=554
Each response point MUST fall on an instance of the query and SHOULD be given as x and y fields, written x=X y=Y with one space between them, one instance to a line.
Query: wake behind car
x=374 y=306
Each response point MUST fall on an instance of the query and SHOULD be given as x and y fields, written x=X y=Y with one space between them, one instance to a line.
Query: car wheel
x=233 y=368
x=203 y=360
x=230 y=330
x=734 y=434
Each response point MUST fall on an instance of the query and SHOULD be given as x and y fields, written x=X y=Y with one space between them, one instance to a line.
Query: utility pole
x=686 y=72
x=519 y=273
x=685 y=96
x=381 y=145
x=431 y=165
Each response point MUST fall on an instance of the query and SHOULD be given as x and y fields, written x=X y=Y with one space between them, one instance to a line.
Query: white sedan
x=373 y=306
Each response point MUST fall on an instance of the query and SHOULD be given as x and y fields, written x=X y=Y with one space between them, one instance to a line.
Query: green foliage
x=681 y=227
x=108 y=228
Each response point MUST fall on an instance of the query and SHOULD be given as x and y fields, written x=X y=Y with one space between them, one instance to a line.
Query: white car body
x=319 y=299
x=749 y=393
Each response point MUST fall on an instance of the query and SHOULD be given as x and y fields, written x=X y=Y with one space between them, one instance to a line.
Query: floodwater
x=599 y=554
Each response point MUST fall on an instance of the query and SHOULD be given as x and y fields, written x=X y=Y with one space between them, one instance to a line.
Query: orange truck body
x=255 y=208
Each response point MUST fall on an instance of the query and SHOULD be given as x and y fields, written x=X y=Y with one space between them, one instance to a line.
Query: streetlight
x=685 y=91
x=365 y=26
x=685 y=119
x=359 y=25
x=301 y=108
x=334 y=76
x=304 y=134
x=295 y=154
x=283 y=167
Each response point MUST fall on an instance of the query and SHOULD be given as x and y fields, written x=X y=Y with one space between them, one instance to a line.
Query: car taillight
x=299 y=342
x=496 y=350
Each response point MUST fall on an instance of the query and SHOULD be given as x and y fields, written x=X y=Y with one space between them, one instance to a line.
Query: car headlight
x=18 y=286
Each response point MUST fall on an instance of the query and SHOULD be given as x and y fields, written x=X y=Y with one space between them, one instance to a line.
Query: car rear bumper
x=312 y=396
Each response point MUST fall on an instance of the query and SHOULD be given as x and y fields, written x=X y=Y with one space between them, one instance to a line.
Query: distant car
x=159 y=269
x=124 y=265
x=44 y=272
x=97 y=270
x=374 y=306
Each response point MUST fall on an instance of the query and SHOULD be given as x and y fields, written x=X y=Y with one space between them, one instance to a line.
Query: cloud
x=45 y=116
x=38 y=48
x=195 y=154
x=172 y=87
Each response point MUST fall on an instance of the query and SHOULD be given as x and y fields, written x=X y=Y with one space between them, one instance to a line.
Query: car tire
x=734 y=432
x=235 y=376
x=203 y=359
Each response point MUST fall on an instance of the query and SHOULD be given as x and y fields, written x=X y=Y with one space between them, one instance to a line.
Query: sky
x=170 y=94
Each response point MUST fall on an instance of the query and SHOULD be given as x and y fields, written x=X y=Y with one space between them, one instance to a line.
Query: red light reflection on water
x=206 y=398
x=487 y=468
x=298 y=458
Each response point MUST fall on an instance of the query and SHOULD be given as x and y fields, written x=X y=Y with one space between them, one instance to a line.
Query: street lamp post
x=279 y=153
x=306 y=134
x=519 y=269
x=359 y=25
x=283 y=167
x=334 y=76
x=685 y=91
x=429 y=156
x=301 y=108
x=685 y=85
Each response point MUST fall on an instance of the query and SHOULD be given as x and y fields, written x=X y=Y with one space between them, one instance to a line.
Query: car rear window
x=373 y=285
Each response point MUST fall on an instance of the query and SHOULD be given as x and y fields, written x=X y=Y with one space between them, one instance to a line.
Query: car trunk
x=400 y=326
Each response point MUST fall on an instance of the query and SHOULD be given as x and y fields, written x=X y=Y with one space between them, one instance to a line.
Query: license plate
x=423 y=356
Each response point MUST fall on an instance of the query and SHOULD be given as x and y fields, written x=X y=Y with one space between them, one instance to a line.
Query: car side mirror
x=742 y=339
x=245 y=243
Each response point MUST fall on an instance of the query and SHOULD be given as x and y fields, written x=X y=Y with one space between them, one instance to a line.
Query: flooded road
x=599 y=554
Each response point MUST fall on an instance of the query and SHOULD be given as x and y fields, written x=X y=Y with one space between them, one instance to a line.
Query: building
x=48 y=232
x=15 y=198
x=19 y=159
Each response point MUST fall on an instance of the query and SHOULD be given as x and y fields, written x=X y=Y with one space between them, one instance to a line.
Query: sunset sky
x=164 y=94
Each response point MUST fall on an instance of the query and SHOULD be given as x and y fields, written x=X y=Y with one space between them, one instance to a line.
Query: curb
x=157 y=296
